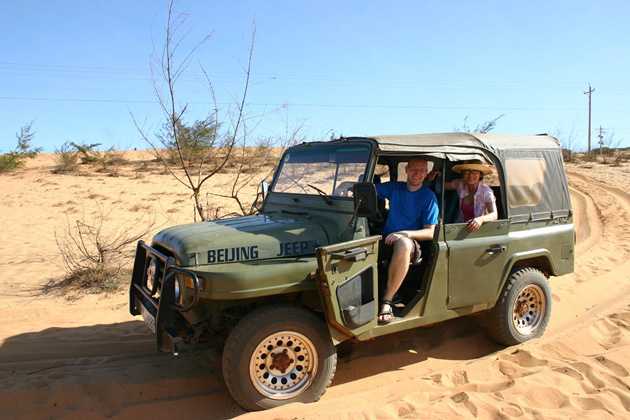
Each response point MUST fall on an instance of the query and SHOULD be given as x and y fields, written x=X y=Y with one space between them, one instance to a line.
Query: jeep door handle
x=358 y=254
x=492 y=250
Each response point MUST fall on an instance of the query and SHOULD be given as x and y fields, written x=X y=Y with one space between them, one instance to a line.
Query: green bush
x=87 y=152
x=66 y=159
x=10 y=161
x=23 y=150
x=193 y=140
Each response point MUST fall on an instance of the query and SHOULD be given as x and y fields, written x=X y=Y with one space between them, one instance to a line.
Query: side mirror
x=264 y=188
x=261 y=194
x=365 y=200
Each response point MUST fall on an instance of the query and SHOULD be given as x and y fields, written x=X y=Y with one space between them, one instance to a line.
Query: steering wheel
x=344 y=189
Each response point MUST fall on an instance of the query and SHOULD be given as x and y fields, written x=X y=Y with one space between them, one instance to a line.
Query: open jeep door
x=347 y=277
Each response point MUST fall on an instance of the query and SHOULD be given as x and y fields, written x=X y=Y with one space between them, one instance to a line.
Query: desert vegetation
x=96 y=244
x=70 y=155
x=97 y=247
x=94 y=248
x=23 y=150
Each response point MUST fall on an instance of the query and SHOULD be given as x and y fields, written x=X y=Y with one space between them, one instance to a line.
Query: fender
x=520 y=256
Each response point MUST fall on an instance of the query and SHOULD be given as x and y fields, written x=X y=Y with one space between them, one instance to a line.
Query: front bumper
x=157 y=302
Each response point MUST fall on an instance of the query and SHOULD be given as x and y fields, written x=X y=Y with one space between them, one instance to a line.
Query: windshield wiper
x=322 y=194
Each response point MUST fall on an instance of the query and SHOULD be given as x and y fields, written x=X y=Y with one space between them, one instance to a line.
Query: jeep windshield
x=329 y=170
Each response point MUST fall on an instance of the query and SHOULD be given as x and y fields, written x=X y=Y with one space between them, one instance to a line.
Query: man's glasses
x=416 y=170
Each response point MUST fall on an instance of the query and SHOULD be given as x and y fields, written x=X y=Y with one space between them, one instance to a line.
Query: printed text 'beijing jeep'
x=285 y=286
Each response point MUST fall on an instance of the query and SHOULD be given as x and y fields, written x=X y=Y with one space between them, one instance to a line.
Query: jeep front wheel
x=523 y=309
x=277 y=355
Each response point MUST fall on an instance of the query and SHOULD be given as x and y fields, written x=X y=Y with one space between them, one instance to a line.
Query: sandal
x=386 y=313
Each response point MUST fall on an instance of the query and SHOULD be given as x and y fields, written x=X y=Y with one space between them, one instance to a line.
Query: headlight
x=151 y=271
x=177 y=290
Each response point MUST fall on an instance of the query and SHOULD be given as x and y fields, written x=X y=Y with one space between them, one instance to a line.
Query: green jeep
x=284 y=287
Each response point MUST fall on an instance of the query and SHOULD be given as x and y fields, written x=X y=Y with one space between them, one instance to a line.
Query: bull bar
x=158 y=304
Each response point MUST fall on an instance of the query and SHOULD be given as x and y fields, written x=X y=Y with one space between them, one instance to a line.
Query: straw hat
x=473 y=165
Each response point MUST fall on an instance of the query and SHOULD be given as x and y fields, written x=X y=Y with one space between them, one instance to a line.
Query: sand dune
x=88 y=358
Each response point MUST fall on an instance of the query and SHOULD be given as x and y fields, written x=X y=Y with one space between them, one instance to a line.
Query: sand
x=86 y=357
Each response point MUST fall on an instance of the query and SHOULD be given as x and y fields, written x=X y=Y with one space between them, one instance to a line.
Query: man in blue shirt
x=413 y=215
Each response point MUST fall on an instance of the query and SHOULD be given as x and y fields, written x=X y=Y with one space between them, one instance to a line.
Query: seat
x=451 y=206
x=376 y=223
x=497 y=194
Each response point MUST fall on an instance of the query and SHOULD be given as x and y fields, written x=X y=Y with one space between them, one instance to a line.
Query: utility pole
x=589 y=92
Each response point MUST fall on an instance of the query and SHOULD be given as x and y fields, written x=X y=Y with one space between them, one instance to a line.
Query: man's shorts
x=385 y=252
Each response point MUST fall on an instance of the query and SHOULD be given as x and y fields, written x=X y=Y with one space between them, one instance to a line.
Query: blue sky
x=81 y=68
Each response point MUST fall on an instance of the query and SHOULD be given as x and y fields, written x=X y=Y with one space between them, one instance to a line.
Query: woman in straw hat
x=476 y=199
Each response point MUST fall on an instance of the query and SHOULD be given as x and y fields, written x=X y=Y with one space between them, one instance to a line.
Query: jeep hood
x=242 y=239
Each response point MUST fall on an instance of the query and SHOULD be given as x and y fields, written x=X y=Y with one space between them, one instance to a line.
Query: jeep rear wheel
x=523 y=309
x=277 y=355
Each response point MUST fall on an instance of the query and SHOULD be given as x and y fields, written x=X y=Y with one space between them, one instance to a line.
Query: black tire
x=523 y=309
x=273 y=338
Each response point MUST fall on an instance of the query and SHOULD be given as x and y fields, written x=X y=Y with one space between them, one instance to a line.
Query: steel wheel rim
x=529 y=309
x=283 y=365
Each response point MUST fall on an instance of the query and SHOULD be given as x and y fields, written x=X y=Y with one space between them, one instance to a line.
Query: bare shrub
x=249 y=164
x=568 y=142
x=219 y=143
x=484 y=127
x=143 y=167
x=620 y=156
x=111 y=161
x=252 y=165
x=95 y=249
x=608 y=146
x=166 y=70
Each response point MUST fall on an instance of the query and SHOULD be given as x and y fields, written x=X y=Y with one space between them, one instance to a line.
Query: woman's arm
x=492 y=214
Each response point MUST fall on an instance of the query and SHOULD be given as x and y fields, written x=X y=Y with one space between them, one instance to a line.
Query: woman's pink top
x=482 y=196
x=468 y=212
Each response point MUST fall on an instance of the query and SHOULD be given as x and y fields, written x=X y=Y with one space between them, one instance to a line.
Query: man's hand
x=394 y=236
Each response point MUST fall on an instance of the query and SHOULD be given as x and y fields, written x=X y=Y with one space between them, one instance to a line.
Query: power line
x=54 y=67
x=280 y=77
x=301 y=104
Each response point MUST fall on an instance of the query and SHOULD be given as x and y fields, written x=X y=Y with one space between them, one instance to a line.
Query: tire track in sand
x=602 y=217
